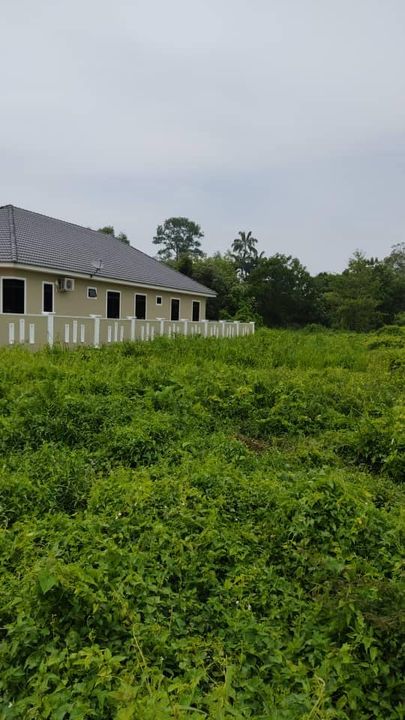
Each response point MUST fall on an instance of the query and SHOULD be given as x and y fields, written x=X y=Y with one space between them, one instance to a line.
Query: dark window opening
x=158 y=299
x=47 y=298
x=13 y=295
x=91 y=292
x=113 y=304
x=140 y=307
x=196 y=311
x=175 y=309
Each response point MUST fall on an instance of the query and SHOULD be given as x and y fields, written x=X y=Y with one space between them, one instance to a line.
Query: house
x=52 y=266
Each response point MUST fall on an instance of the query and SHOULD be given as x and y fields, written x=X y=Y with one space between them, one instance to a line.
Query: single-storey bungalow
x=53 y=266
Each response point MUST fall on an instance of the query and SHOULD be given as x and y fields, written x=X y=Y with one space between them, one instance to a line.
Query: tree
x=396 y=259
x=367 y=294
x=393 y=283
x=183 y=265
x=109 y=230
x=284 y=292
x=354 y=298
x=219 y=273
x=178 y=236
x=244 y=253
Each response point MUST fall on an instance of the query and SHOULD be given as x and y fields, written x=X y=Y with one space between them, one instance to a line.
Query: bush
x=203 y=528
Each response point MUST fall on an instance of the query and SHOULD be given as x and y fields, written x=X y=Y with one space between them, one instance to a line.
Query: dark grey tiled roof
x=29 y=238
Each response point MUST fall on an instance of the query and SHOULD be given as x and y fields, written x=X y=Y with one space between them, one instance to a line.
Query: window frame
x=118 y=292
x=48 y=282
x=91 y=287
x=161 y=300
x=13 y=277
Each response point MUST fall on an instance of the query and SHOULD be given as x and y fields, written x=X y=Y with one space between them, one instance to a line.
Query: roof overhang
x=100 y=278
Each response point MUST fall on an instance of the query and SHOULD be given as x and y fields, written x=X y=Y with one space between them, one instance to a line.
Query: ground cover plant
x=201 y=528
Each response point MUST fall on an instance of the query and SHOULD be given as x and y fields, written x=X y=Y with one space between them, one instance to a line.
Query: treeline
x=278 y=291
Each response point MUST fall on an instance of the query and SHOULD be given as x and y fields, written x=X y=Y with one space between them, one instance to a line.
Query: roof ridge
x=13 y=238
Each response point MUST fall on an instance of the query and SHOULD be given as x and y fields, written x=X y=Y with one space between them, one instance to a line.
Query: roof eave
x=204 y=292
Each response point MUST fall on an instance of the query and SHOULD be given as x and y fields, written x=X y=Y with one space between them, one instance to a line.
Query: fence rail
x=38 y=330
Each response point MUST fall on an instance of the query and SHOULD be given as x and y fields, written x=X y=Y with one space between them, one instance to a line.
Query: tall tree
x=178 y=236
x=109 y=230
x=244 y=253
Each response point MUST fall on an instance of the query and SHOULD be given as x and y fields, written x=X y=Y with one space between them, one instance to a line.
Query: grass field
x=198 y=528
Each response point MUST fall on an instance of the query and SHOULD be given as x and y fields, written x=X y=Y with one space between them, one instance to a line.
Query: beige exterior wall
x=77 y=304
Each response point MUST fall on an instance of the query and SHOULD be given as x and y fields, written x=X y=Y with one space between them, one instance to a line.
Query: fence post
x=50 y=329
x=223 y=323
x=162 y=326
x=185 y=326
x=22 y=330
x=237 y=327
x=96 y=339
x=252 y=328
x=132 y=330
x=206 y=328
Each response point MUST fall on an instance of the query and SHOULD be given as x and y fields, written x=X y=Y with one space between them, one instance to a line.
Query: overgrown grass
x=198 y=528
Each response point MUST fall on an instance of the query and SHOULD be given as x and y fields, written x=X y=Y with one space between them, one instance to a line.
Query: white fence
x=48 y=329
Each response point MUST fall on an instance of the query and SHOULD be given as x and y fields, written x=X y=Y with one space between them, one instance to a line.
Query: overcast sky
x=284 y=117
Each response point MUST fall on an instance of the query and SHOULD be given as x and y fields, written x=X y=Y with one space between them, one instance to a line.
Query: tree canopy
x=178 y=236
x=244 y=253
x=109 y=230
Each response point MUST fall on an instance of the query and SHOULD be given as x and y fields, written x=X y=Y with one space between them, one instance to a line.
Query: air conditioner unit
x=66 y=284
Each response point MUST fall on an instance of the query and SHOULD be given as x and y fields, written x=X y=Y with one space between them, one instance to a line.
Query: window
x=196 y=310
x=158 y=299
x=113 y=304
x=13 y=295
x=140 y=307
x=92 y=293
x=175 y=309
x=47 y=297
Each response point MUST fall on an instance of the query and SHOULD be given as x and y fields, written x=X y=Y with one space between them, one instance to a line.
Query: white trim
x=106 y=303
x=13 y=277
x=48 y=282
x=146 y=305
x=161 y=300
x=91 y=287
x=97 y=278
x=199 y=310
x=179 y=299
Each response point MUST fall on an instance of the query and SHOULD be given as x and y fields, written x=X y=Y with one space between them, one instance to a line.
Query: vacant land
x=198 y=528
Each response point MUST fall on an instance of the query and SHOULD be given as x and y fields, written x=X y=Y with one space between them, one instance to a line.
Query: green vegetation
x=278 y=291
x=178 y=237
x=203 y=529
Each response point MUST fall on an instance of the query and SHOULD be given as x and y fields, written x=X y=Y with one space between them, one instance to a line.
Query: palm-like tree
x=244 y=253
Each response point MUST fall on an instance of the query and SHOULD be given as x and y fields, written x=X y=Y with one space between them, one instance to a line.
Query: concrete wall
x=76 y=303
